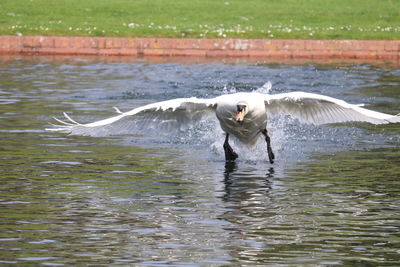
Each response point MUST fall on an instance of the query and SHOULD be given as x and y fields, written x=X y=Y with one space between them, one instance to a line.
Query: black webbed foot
x=271 y=155
x=230 y=155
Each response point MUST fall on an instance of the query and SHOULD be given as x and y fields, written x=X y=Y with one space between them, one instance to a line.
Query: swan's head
x=241 y=111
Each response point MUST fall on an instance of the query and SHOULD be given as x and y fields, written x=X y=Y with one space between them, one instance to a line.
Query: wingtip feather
x=70 y=119
x=65 y=126
x=117 y=110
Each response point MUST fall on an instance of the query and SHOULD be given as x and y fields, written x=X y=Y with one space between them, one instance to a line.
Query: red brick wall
x=269 y=48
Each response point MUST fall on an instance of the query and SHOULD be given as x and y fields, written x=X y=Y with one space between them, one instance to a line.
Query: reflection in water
x=330 y=199
x=248 y=201
x=240 y=184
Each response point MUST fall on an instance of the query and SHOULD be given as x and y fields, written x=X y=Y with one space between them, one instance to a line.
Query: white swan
x=243 y=115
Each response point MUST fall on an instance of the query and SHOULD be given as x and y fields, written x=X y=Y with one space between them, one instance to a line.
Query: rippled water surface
x=158 y=199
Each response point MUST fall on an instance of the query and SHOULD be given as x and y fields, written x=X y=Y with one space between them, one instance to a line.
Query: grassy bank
x=306 y=19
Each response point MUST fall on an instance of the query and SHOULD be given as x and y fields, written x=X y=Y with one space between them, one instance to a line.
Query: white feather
x=175 y=113
x=69 y=118
x=117 y=110
x=166 y=115
x=320 y=109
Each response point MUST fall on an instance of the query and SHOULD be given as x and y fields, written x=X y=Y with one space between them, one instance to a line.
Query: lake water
x=160 y=199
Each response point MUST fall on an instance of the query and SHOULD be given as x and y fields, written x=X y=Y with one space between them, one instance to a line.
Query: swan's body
x=243 y=115
x=255 y=119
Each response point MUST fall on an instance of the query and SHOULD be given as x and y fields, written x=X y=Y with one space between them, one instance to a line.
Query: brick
x=278 y=54
x=109 y=52
x=117 y=43
x=257 y=53
x=331 y=46
x=130 y=43
x=6 y=51
x=234 y=44
x=80 y=51
x=167 y=43
x=358 y=46
x=150 y=43
x=364 y=54
x=101 y=42
x=163 y=43
x=214 y=44
x=323 y=54
x=319 y=45
x=188 y=52
x=129 y=52
x=154 y=52
x=61 y=42
x=188 y=44
x=142 y=43
x=31 y=41
x=14 y=43
x=46 y=41
x=371 y=45
x=216 y=53
x=347 y=55
x=303 y=54
x=205 y=44
x=345 y=45
x=236 y=53
x=81 y=42
x=44 y=51
x=388 y=55
x=178 y=52
x=277 y=45
x=108 y=43
x=294 y=44
x=390 y=46
x=380 y=45
x=259 y=44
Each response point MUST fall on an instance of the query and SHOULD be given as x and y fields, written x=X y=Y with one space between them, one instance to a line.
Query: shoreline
x=371 y=50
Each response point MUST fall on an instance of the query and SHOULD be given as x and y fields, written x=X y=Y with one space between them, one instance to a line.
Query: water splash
x=265 y=89
x=229 y=89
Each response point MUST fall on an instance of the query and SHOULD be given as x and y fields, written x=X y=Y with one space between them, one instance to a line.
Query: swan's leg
x=230 y=155
x=271 y=155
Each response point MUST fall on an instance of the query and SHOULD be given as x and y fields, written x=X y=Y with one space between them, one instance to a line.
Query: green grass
x=307 y=19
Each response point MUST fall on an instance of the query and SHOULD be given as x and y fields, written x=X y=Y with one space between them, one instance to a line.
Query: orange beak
x=240 y=115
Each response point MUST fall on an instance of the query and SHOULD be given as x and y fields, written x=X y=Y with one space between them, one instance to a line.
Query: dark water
x=155 y=199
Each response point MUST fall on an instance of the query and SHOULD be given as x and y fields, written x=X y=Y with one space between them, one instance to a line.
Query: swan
x=243 y=115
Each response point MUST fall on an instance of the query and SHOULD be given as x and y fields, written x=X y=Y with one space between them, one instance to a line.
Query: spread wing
x=319 y=109
x=166 y=115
